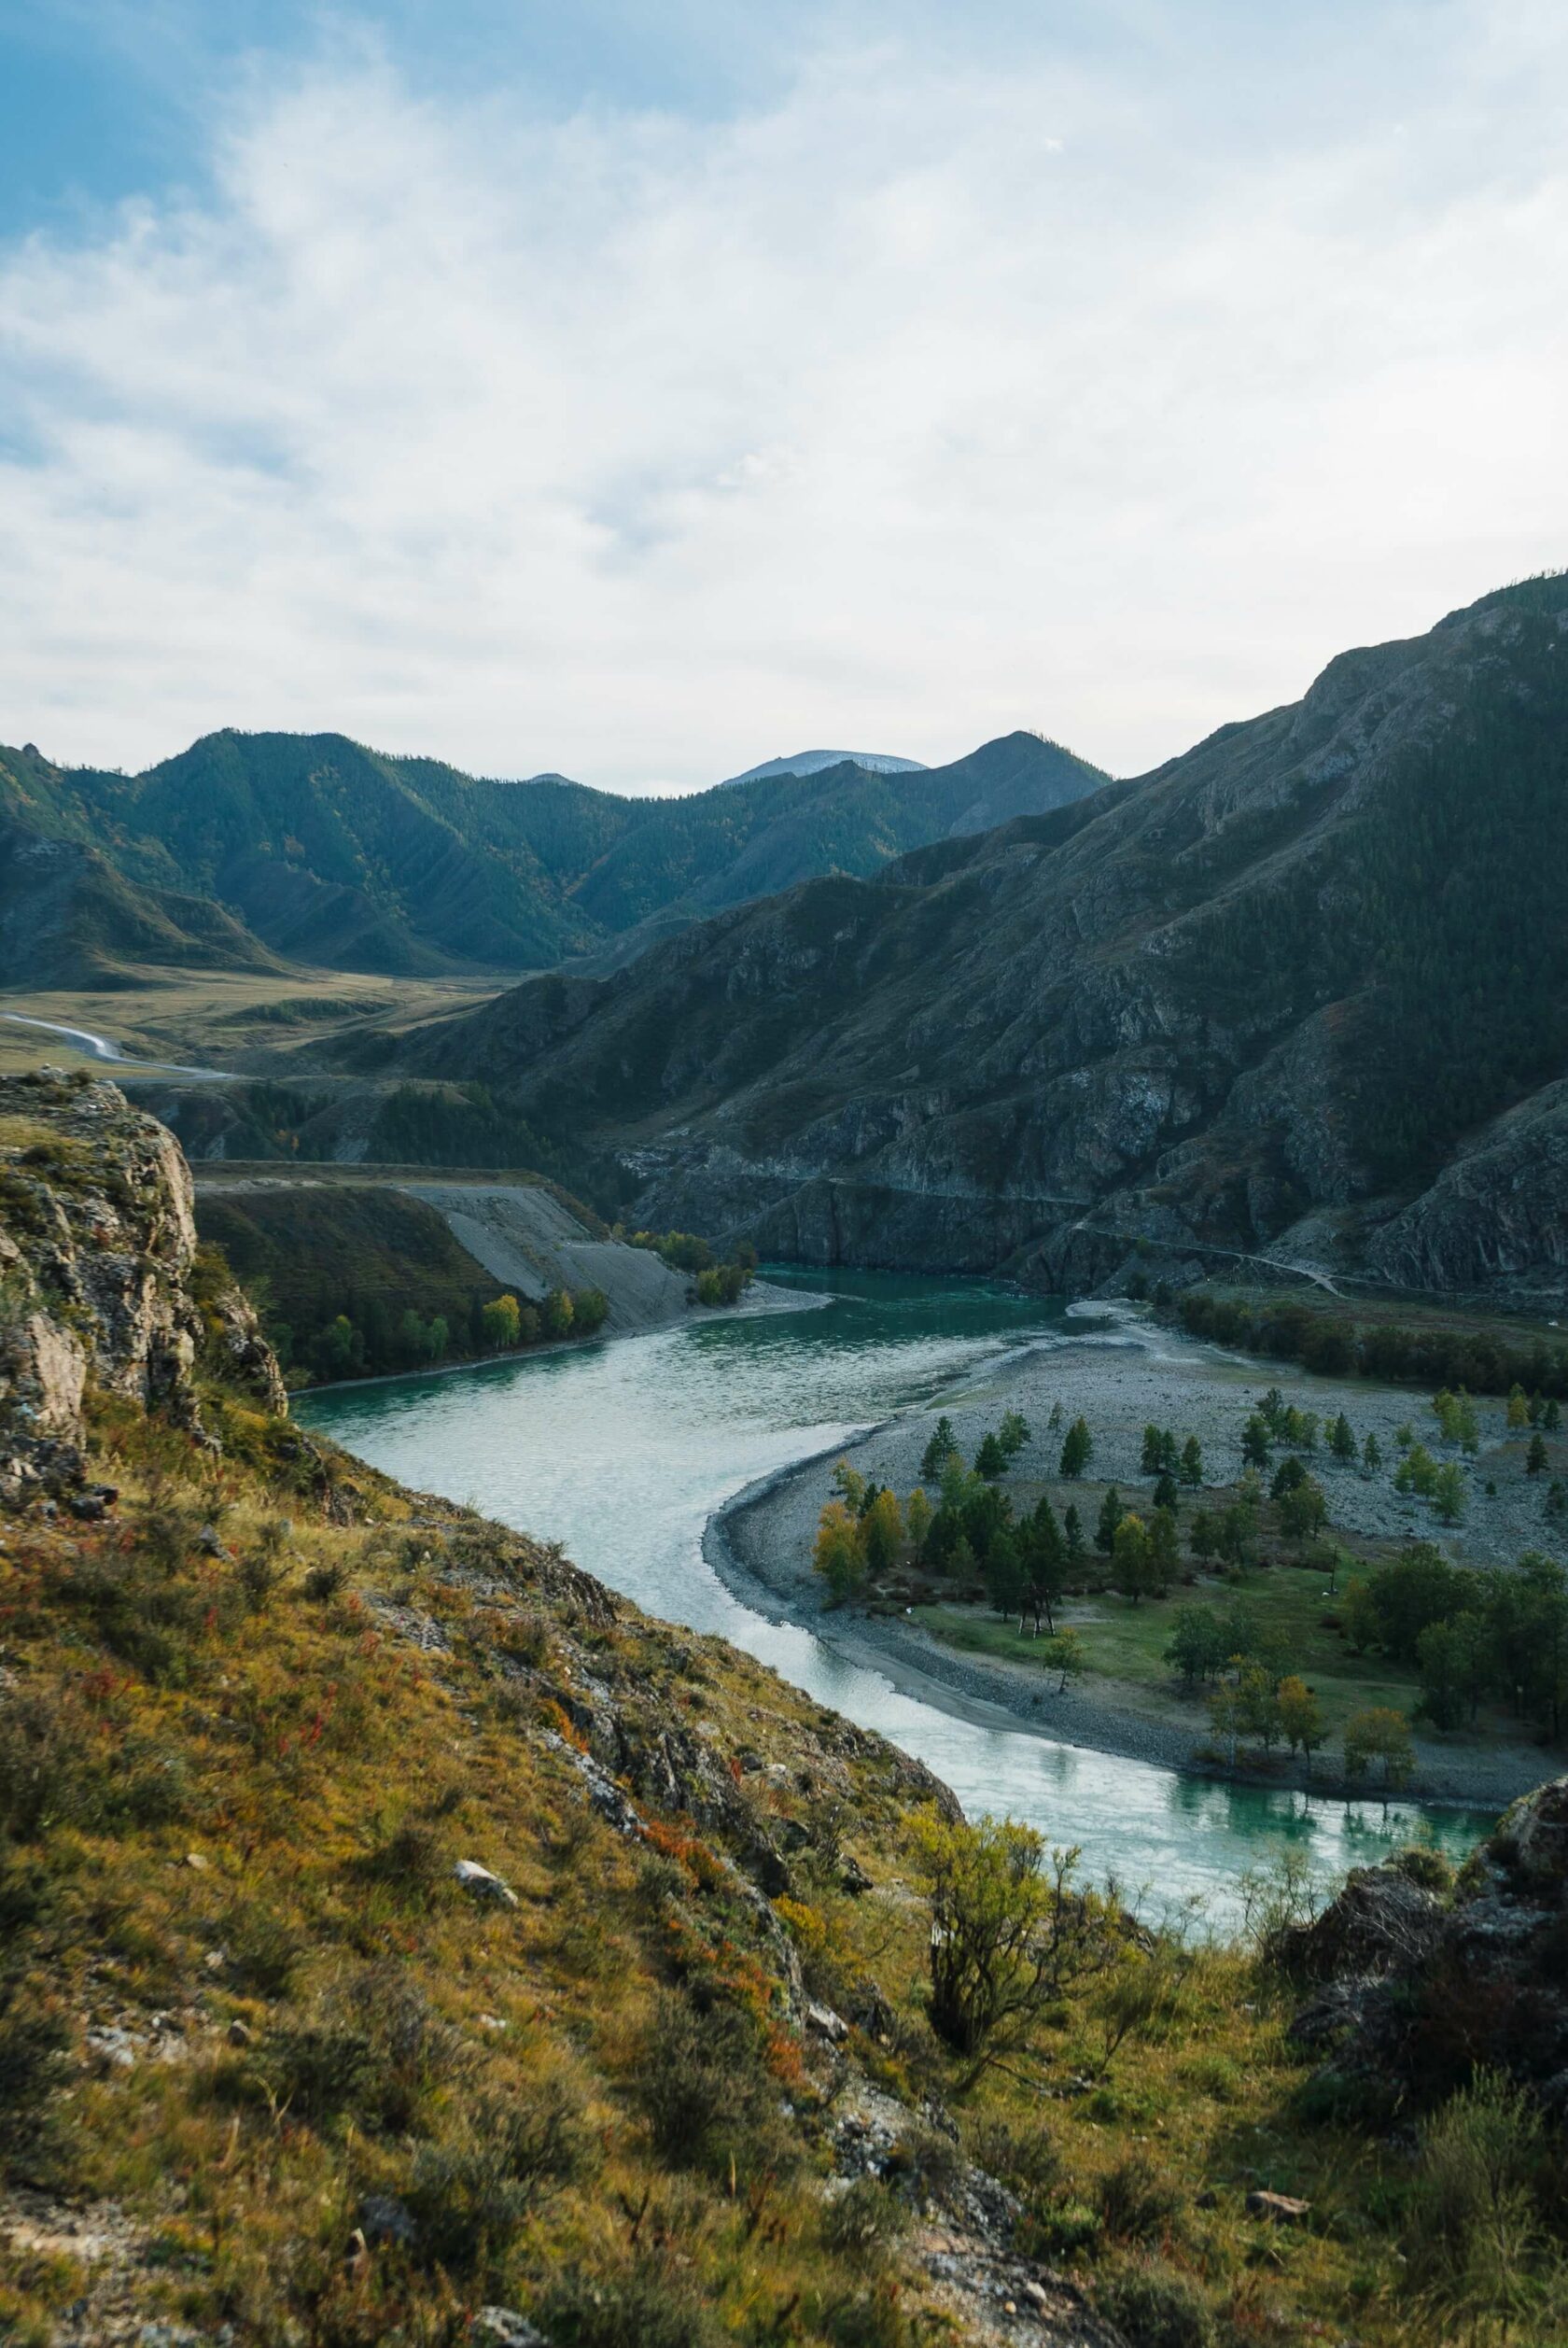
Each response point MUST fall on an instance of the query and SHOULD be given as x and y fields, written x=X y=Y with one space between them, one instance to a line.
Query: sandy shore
x=1135 y=1371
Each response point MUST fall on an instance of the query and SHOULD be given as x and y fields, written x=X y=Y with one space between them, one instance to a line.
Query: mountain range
x=811 y=762
x=1302 y=992
x=252 y=850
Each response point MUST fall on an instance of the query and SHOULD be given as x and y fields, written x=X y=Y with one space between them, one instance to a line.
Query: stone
x=503 y=2327
x=240 y=2034
x=383 y=2218
x=1281 y=2208
x=483 y=1885
x=824 y=2023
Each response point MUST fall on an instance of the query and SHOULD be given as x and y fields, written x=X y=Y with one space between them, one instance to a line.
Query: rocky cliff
x=97 y=1258
x=1272 y=998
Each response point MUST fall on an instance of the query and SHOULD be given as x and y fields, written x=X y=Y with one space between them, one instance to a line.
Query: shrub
x=470 y=2192
x=705 y=2089
x=1026 y=2158
x=650 y=2306
x=1154 y=2306
x=1473 y=2235
x=33 y=2064
x=1136 y=2202
x=864 y=2221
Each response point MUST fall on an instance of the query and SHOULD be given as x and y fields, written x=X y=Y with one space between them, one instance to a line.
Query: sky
x=639 y=392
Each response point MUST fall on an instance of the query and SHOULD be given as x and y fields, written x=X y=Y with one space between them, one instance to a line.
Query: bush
x=705 y=2090
x=33 y=2064
x=649 y=2307
x=1136 y=2202
x=865 y=2222
x=1154 y=2307
x=469 y=2193
x=373 y=2049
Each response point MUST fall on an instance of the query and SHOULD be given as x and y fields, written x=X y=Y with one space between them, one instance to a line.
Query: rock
x=481 y=1885
x=194 y=1859
x=240 y=2034
x=97 y=1248
x=503 y=2327
x=383 y=2218
x=852 y=1877
x=113 y=2049
x=1281 y=2208
x=824 y=2023
x=1380 y=1921
x=210 y=1543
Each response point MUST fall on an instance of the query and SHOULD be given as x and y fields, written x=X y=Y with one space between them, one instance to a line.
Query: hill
x=248 y=847
x=409 y=1943
x=1302 y=992
x=811 y=762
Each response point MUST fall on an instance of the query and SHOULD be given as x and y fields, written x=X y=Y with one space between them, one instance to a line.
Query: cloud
x=921 y=400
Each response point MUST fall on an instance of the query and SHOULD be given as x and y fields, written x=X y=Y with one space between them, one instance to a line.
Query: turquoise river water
x=621 y=1451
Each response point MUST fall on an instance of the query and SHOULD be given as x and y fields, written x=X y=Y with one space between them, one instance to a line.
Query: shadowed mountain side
x=1270 y=990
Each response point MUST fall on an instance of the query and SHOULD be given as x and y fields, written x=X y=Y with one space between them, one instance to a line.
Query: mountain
x=68 y=919
x=811 y=762
x=1303 y=990
x=313 y=849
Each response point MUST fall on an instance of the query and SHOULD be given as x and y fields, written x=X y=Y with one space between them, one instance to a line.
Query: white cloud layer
x=920 y=403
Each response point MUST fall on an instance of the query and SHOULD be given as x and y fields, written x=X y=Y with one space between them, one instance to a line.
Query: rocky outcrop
x=1415 y=1986
x=1497 y=1217
x=97 y=1272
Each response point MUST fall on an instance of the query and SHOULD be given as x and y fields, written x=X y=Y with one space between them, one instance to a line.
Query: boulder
x=481 y=1884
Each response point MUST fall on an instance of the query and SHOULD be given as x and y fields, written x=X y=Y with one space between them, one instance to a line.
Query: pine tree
x=1371 y=1455
x=1535 y=1457
x=1342 y=1439
x=1254 y=1441
x=1192 y=1464
x=1110 y=1517
x=991 y=1460
x=1072 y=1537
x=937 y=1452
x=1077 y=1449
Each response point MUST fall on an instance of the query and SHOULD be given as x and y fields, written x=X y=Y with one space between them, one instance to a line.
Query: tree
x=1341 y=1440
x=1447 y=1659
x=850 y=1484
x=882 y=1531
x=1110 y=1514
x=938 y=1451
x=1379 y=1734
x=1072 y=1537
x=1013 y=1434
x=1006 y=1583
x=1271 y=1410
x=1054 y=1422
x=1254 y=1441
x=917 y=1519
x=1197 y=1647
x=839 y=1555
x=501 y=1322
x=1077 y=1449
x=1191 y=1468
x=1417 y=1473
x=1518 y=1411
x=1153 y=1457
x=1203 y=1534
x=1009 y=1932
x=1359 y=1615
x=1235 y=1536
x=1065 y=1655
x=1371 y=1455
x=1535 y=1457
x=1044 y=1555
x=1551 y=1417
x=1304 y=1511
x=1131 y=1563
x=1287 y=1475
x=1258 y=1706
x=1301 y=1721
x=1168 y=1493
x=1449 y=1492
x=558 y=1314
x=991 y=1460
x=1165 y=1549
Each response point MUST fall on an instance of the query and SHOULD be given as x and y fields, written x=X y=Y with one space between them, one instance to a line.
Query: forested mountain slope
x=328 y=853
x=1272 y=995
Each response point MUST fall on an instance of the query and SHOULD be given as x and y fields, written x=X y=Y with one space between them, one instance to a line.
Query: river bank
x=760 y=1542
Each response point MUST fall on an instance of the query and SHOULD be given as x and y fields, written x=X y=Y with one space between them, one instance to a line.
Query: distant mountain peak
x=812 y=762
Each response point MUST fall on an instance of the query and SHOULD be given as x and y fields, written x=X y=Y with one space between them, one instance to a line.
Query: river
x=622 y=1451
